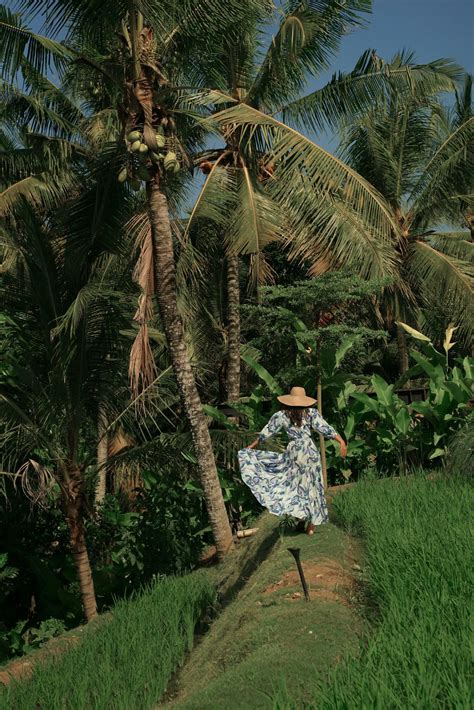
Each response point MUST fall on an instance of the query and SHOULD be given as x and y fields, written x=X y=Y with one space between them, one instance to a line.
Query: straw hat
x=297 y=398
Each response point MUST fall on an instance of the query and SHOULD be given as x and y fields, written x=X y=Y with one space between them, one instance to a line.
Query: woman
x=291 y=483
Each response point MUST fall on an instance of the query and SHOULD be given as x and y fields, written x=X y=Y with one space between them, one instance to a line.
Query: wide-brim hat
x=297 y=398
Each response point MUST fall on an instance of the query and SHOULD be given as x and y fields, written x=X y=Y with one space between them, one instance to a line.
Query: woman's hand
x=342 y=446
x=253 y=445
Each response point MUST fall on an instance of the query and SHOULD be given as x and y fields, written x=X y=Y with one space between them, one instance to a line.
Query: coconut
x=160 y=140
x=143 y=148
x=135 y=147
x=170 y=160
x=177 y=167
x=160 y=130
x=155 y=157
x=206 y=166
x=134 y=136
x=122 y=176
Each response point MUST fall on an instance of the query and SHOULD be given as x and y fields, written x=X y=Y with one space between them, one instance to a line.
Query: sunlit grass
x=419 y=560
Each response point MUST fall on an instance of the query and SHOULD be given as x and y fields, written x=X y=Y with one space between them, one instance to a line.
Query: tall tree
x=157 y=44
x=422 y=164
x=58 y=329
x=270 y=183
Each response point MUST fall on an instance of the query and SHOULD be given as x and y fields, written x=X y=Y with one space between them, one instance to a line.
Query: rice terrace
x=236 y=354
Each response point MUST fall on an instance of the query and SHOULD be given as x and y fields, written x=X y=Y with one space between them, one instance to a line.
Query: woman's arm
x=274 y=425
x=321 y=426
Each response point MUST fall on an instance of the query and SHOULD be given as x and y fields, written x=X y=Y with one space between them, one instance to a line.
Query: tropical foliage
x=417 y=155
x=134 y=305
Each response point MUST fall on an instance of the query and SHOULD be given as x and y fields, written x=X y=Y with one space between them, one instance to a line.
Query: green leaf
x=437 y=453
x=344 y=348
x=403 y=421
x=218 y=416
x=298 y=324
x=468 y=367
x=264 y=375
x=349 y=426
x=459 y=392
x=383 y=390
x=415 y=333
x=370 y=404
x=435 y=372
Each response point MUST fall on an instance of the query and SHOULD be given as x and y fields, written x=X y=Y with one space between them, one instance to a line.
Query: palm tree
x=59 y=327
x=268 y=181
x=66 y=295
x=131 y=84
x=423 y=166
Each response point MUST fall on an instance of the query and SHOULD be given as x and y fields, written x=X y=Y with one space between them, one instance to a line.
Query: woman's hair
x=296 y=414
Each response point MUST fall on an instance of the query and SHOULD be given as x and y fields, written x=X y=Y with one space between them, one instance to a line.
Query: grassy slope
x=419 y=552
x=125 y=662
x=261 y=639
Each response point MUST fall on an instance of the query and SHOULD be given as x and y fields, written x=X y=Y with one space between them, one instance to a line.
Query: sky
x=432 y=29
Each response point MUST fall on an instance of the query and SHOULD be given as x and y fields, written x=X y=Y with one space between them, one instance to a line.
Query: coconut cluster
x=141 y=158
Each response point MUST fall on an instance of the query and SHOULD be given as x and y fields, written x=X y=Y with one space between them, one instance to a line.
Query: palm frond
x=215 y=198
x=18 y=43
x=371 y=81
x=257 y=221
x=308 y=37
x=451 y=165
x=307 y=176
x=40 y=192
x=443 y=279
x=45 y=112
x=329 y=233
x=455 y=244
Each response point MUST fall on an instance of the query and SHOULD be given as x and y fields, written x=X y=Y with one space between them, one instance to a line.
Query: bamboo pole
x=322 y=442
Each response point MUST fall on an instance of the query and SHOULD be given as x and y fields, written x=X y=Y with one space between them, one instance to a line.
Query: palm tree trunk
x=322 y=441
x=102 y=456
x=402 y=350
x=173 y=327
x=73 y=511
x=233 y=313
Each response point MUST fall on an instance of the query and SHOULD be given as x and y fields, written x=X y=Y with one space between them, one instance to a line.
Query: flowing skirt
x=289 y=483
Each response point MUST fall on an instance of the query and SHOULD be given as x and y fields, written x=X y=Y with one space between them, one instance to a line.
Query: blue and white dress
x=289 y=483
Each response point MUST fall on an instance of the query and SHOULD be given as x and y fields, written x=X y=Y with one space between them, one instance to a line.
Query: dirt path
x=268 y=635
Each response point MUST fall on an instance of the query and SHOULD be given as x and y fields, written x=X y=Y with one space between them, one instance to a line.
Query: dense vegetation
x=142 y=342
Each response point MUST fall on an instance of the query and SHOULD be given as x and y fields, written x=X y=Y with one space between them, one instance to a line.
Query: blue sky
x=430 y=28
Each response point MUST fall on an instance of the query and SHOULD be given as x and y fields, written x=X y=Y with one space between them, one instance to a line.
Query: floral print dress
x=289 y=483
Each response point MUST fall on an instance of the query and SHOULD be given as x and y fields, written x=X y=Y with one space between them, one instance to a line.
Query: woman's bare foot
x=310 y=529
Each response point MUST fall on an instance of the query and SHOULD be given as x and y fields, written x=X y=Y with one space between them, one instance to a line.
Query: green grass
x=123 y=663
x=261 y=638
x=420 y=570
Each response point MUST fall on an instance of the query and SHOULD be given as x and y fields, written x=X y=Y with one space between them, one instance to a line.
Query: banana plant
x=385 y=429
x=450 y=391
